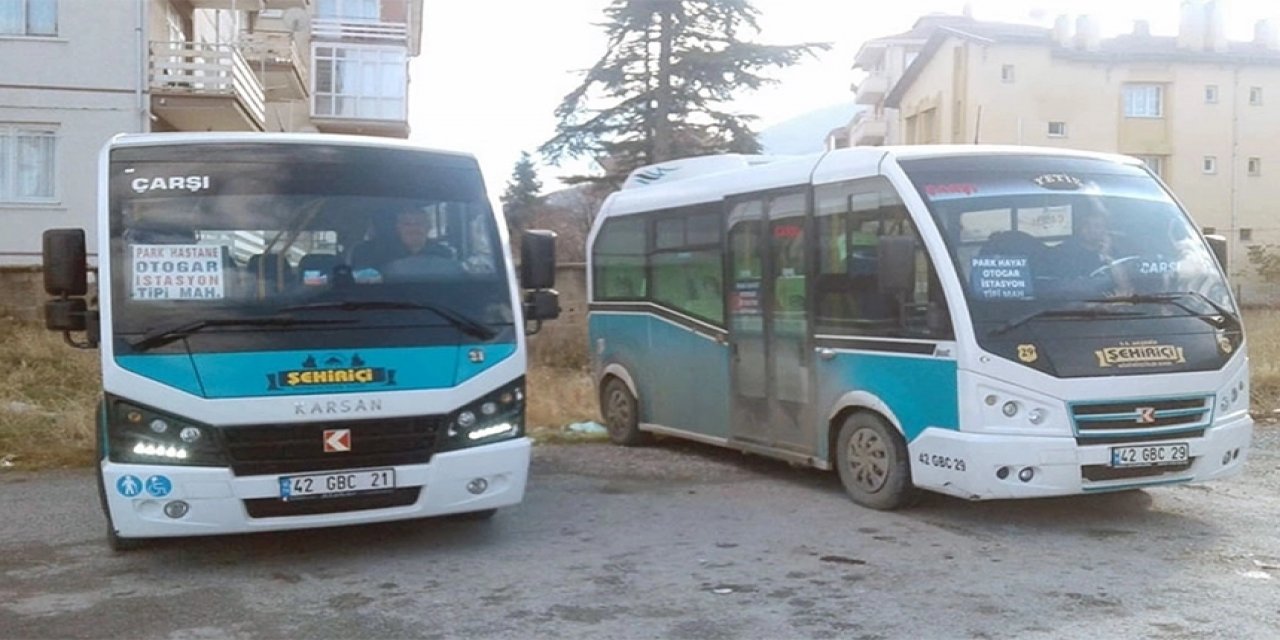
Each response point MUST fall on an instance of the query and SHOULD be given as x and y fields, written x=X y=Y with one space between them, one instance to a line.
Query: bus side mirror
x=65 y=272
x=896 y=265
x=538 y=259
x=66 y=314
x=1218 y=244
x=543 y=304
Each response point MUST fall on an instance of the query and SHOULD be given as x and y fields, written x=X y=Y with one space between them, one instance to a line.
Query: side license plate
x=336 y=483
x=1156 y=455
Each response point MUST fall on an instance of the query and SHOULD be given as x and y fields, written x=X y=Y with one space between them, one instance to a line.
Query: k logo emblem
x=1146 y=415
x=1027 y=353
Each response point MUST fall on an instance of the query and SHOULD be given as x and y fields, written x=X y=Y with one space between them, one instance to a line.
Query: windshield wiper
x=464 y=323
x=1060 y=313
x=1218 y=320
x=166 y=335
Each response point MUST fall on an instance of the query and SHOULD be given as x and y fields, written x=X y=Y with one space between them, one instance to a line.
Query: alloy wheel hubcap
x=868 y=457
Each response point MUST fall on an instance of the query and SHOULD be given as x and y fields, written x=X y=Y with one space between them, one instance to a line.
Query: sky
x=492 y=72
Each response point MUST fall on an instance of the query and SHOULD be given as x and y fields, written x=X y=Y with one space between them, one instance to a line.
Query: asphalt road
x=675 y=541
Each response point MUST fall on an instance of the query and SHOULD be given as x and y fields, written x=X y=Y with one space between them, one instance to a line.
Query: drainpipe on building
x=1233 y=242
x=144 y=119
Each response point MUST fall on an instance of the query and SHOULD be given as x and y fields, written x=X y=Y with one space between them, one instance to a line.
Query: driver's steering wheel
x=1110 y=266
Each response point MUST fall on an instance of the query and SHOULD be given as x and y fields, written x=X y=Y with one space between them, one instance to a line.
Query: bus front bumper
x=218 y=502
x=983 y=466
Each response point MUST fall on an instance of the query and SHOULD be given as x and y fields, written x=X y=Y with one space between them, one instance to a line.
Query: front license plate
x=1156 y=455
x=336 y=483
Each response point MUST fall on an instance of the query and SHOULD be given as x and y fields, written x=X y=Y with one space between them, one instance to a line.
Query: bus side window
x=851 y=218
x=619 y=254
x=686 y=263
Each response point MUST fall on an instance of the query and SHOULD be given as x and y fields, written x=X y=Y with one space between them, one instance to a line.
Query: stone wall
x=21 y=293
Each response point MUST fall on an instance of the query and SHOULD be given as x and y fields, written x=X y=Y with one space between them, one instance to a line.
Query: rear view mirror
x=542 y=305
x=65 y=272
x=538 y=259
x=65 y=314
x=1218 y=244
x=896 y=265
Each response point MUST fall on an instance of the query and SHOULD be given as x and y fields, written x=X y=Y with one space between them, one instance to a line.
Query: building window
x=1255 y=96
x=1006 y=73
x=1057 y=129
x=360 y=82
x=1208 y=231
x=348 y=9
x=28 y=164
x=1154 y=163
x=1210 y=164
x=1211 y=94
x=1143 y=101
x=1255 y=166
x=1246 y=235
x=29 y=17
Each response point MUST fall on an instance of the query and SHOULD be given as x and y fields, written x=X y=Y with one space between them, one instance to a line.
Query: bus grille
x=1141 y=420
x=299 y=447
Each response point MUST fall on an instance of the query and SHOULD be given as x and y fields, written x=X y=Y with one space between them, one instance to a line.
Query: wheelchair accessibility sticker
x=159 y=486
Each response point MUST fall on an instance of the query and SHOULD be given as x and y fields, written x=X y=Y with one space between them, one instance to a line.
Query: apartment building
x=1199 y=109
x=78 y=72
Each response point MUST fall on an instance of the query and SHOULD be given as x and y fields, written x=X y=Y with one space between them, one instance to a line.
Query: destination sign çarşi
x=176 y=272
x=1000 y=277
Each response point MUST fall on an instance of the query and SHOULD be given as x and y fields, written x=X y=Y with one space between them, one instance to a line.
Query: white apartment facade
x=88 y=70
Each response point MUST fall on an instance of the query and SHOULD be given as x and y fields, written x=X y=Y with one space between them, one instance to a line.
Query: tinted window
x=618 y=260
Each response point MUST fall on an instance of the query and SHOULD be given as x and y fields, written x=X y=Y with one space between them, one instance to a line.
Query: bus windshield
x=372 y=237
x=1037 y=236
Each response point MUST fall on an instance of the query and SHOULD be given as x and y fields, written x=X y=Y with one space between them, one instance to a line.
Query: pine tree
x=670 y=69
x=522 y=194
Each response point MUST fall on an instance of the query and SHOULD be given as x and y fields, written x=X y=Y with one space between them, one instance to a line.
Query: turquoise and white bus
x=299 y=331
x=984 y=322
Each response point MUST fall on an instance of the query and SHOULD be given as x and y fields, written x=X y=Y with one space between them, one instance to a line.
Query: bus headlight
x=139 y=435
x=497 y=416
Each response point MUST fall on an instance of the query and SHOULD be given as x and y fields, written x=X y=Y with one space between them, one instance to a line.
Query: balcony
x=228 y=5
x=198 y=86
x=279 y=63
x=868 y=131
x=872 y=89
x=400 y=27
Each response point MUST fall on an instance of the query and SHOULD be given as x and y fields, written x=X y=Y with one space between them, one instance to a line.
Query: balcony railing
x=872 y=89
x=285 y=72
x=206 y=69
x=868 y=131
x=367 y=30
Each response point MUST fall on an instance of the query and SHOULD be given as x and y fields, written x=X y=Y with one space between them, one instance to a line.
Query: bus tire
x=872 y=462
x=122 y=545
x=621 y=414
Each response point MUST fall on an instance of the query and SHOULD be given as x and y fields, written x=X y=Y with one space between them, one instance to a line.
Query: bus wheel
x=871 y=459
x=621 y=414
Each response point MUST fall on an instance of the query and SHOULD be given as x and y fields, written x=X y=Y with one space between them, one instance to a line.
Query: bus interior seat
x=270 y=272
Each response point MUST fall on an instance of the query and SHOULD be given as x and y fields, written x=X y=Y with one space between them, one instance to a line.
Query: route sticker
x=176 y=272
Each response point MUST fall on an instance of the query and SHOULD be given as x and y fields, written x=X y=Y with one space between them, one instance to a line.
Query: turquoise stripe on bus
x=921 y=392
x=691 y=370
x=289 y=373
